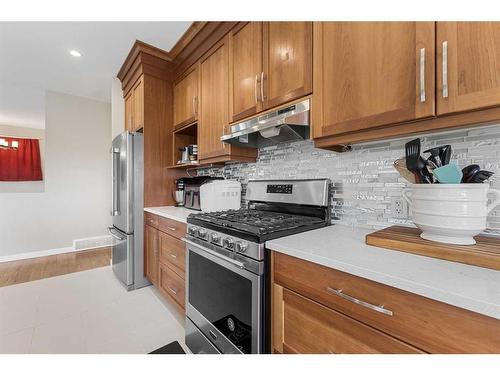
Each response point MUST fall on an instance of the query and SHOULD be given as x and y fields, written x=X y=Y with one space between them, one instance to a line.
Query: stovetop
x=256 y=225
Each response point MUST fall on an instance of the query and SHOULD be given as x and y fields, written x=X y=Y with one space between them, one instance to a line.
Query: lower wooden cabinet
x=151 y=249
x=317 y=296
x=165 y=257
x=304 y=326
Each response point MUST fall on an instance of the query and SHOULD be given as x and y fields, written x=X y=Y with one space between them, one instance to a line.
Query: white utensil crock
x=451 y=213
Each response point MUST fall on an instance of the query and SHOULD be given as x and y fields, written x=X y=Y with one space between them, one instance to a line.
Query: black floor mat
x=173 y=348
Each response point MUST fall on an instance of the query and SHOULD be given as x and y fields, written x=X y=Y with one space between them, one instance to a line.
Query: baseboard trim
x=43 y=253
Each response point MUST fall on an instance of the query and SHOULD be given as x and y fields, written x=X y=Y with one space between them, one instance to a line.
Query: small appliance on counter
x=179 y=192
x=220 y=195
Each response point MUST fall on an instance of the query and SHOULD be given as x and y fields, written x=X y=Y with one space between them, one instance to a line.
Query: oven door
x=224 y=300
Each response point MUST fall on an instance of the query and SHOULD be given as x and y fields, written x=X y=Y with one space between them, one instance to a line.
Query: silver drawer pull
x=445 y=69
x=172 y=290
x=377 y=308
x=422 y=75
x=173 y=255
x=172 y=229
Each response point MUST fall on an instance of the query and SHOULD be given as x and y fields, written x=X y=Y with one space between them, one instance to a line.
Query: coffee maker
x=179 y=192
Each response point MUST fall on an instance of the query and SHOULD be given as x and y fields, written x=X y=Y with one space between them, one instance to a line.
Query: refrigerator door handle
x=110 y=230
x=115 y=153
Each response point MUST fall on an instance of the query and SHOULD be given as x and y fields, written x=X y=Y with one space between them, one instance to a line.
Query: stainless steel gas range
x=227 y=283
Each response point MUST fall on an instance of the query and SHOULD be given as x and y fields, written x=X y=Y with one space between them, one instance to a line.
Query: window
x=20 y=159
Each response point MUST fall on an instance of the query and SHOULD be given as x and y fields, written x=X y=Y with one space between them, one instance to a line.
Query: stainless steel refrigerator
x=127 y=152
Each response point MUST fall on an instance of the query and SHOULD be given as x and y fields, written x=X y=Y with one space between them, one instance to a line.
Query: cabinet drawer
x=172 y=227
x=310 y=328
x=172 y=284
x=151 y=219
x=172 y=251
x=433 y=326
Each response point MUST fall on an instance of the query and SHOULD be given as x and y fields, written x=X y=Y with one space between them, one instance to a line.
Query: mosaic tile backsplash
x=365 y=184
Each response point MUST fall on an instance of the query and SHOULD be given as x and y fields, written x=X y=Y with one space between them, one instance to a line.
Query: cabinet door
x=138 y=103
x=304 y=326
x=129 y=110
x=287 y=60
x=151 y=248
x=368 y=74
x=214 y=101
x=186 y=98
x=245 y=69
x=468 y=65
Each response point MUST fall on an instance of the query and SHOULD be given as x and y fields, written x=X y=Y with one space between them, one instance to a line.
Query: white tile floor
x=84 y=312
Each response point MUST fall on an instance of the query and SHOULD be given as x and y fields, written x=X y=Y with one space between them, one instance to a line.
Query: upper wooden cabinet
x=270 y=63
x=214 y=108
x=287 y=62
x=468 y=66
x=245 y=70
x=186 y=98
x=368 y=74
x=214 y=90
x=134 y=107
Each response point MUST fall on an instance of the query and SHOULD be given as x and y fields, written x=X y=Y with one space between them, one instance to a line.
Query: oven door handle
x=215 y=254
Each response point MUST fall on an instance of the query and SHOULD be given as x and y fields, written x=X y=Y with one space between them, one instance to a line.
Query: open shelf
x=185 y=136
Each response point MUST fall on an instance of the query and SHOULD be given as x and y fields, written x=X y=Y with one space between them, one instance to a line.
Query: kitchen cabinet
x=214 y=108
x=287 y=62
x=172 y=285
x=468 y=66
x=422 y=323
x=270 y=63
x=134 y=107
x=369 y=74
x=151 y=251
x=245 y=70
x=305 y=326
x=186 y=98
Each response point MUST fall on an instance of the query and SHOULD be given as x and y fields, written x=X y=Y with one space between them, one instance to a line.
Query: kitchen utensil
x=179 y=197
x=412 y=150
x=481 y=177
x=434 y=157
x=427 y=176
x=400 y=166
x=448 y=174
x=451 y=213
x=445 y=154
x=469 y=172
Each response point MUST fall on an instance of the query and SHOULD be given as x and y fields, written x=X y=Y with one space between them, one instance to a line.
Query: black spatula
x=413 y=164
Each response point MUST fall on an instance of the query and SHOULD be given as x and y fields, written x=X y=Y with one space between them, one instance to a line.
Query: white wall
x=117 y=108
x=76 y=200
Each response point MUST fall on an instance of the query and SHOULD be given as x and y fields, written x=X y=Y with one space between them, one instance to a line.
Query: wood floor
x=21 y=271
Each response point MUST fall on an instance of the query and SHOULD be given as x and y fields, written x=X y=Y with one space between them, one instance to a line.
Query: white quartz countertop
x=172 y=212
x=343 y=248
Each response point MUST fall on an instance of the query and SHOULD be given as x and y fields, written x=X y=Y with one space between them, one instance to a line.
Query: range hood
x=287 y=124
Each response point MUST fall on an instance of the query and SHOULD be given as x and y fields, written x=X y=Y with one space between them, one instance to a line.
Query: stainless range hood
x=287 y=124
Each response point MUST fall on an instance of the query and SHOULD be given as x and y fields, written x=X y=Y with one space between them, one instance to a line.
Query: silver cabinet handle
x=256 y=90
x=215 y=254
x=172 y=229
x=172 y=290
x=445 y=69
x=422 y=75
x=262 y=97
x=195 y=99
x=377 y=308
x=173 y=255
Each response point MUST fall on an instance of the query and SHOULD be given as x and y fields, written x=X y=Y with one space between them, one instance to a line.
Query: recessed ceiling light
x=75 y=53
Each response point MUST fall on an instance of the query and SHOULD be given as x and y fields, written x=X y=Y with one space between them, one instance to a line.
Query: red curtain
x=23 y=164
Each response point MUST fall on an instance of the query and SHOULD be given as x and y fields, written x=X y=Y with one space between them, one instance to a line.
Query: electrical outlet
x=399 y=208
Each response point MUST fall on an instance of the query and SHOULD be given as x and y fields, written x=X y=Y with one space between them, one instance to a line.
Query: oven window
x=223 y=297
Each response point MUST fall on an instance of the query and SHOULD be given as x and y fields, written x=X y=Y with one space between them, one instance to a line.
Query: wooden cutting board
x=485 y=253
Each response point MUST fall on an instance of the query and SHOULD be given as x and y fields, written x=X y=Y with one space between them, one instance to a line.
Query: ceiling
x=36 y=54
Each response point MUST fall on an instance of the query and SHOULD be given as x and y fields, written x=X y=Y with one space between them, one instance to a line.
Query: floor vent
x=92 y=242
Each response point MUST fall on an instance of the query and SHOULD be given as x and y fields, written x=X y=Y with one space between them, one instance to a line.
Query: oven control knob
x=214 y=238
x=241 y=247
x=202 y=233
x=193 y=231
x=228 y=243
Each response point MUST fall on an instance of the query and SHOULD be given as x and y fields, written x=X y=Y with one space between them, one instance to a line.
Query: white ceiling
x=35 y=54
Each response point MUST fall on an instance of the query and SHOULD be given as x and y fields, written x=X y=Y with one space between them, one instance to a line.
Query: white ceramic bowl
x=451 y=213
